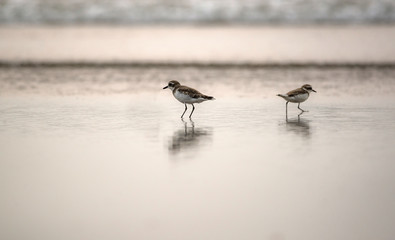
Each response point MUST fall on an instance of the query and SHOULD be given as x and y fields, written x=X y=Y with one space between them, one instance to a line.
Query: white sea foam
x=196 y=11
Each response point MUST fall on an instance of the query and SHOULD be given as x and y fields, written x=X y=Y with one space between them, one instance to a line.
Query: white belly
x=187 y=99
x=298 y=98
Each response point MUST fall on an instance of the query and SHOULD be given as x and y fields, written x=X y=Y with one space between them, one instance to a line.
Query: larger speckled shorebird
x=187 y=95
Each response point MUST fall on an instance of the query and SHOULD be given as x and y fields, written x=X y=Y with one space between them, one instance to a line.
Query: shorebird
x=298 y=95
x=187 y=95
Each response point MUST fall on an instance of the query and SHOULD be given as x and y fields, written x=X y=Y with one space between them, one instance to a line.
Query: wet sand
x=202 y=44
x=102 y=153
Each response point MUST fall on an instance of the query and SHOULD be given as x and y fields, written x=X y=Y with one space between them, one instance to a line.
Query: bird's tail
x=208 y=97
x=281 y=95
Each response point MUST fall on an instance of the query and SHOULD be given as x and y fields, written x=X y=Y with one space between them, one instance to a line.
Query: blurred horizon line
x=198 y=24
x=200 y=64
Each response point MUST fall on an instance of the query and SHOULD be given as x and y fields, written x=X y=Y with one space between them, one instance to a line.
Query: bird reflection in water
x=188 y=138
x=298 y=126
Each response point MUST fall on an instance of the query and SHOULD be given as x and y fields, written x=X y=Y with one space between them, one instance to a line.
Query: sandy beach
x=102 y=151
x=320 y=44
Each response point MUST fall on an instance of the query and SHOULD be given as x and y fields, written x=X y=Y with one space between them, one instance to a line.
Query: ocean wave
x=196 y=11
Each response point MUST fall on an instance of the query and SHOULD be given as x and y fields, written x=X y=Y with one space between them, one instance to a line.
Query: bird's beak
x=165 y=87
x=313 y=90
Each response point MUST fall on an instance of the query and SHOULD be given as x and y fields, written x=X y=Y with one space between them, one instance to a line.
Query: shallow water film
x=101 y=152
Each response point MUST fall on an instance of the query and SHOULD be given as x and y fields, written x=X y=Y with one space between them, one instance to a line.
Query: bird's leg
x=286 y=111
x=299 y=116
x=301 y=109
x=193 y=109
x=184 y=111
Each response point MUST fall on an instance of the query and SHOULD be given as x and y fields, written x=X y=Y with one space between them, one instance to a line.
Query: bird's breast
x=185 y=98
x=299 y=98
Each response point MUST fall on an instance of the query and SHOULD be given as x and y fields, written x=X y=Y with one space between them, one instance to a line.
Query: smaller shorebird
x=187 y=95
x=297 y=96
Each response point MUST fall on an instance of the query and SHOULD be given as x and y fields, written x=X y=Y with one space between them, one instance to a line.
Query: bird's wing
x=190 y=91
x=296 y=92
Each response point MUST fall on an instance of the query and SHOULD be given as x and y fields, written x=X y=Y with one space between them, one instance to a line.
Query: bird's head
x=309 y=88
x=172 y=85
